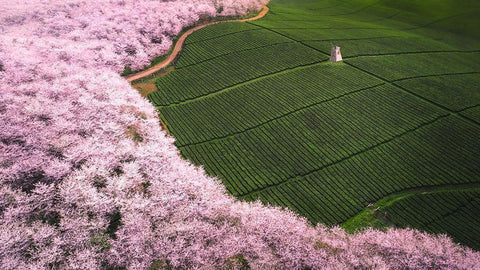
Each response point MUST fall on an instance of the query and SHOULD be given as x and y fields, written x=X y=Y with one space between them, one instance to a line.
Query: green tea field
x=259 y=105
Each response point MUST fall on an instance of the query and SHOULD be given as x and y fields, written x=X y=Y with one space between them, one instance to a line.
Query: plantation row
x=274 y=122
x=473 y=113
x=395 y=67
x=459 y=28
x=456 y=92
x=377 y=21
x=440 y=153
x=327 y=22
x=383 y=45
x=309 y=139
x=345 y=22
x=315 y=10
x=239 y=41
x=218 y=30
x=337 y=34
x=455 y=213
x=261 y=101
x=229 y=70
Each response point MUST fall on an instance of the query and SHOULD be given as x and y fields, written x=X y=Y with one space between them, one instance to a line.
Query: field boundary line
x=467 y=108
x=460 y=113
x=383 y=79
x=381 y=18
x=355 y=11
x=225 y=54
x=453 y=212
x=397 y=196
x=224 y=35
x=392 y=83
x=333 y=39
x=179 y=45
x=283 y=115
x=436 y=21
x=406 y=53
x=334 y=28
x=370 y=148
x=261 y=77
x=452 y=112
x=378 y=19
x=298 y=41
x=435 y=75
x=402 y=88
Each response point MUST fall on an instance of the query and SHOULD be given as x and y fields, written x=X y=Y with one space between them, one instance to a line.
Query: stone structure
x=335 y=55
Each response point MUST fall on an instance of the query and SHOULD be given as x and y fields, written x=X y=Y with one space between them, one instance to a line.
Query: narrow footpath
x=179 y=45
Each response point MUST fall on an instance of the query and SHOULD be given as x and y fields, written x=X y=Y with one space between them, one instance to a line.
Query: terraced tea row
x=275 y=122
x=439 y=153
x=453 y=213
x=219 y=30
x=396 y=67
x=229 y=70
x=383 y=45
x=473 y=113
x=261 y=101
x=311 y=138
x=226 y=44
x=455 y=91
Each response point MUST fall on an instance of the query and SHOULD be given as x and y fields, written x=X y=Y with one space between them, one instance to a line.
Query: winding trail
x=179 y=45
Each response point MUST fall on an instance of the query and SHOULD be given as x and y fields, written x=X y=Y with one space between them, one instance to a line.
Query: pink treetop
x=88 y=179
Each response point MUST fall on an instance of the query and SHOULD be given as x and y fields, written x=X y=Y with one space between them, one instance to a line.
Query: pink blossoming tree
x=88 y=180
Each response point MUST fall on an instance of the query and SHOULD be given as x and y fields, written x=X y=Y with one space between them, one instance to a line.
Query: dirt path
x=179 y=45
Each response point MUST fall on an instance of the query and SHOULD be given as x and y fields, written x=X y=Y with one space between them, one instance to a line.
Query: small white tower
x=335 y=55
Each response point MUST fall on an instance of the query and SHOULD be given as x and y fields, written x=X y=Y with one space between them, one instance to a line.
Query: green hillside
x=453 y=213
x=260 y=106
x=459 y=17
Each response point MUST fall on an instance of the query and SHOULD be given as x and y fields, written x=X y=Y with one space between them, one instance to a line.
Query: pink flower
x=78 y=191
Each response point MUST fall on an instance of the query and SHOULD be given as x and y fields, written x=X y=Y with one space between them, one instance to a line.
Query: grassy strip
x=373 y=215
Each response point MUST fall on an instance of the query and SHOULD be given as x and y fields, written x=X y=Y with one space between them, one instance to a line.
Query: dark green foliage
x=52 y=218
x=99 y=182
x=456 y=92
x=44 y=118
x=229 y=70
x=454 y=16
x=290 y=146
x=13 y=140
x=127 y=71
x=55 y=152
x=261 y=101
x=237 y=261
x=453 y=213
x=473 y=113
x=107 y=266
x=115 y=222
x=257 y=105
x=440 y=153
x=396 y=67
x=117 y=171
x=145 y=185
x=228 y=43
x=48 y=217
x=26 y=181
x=223 y=28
